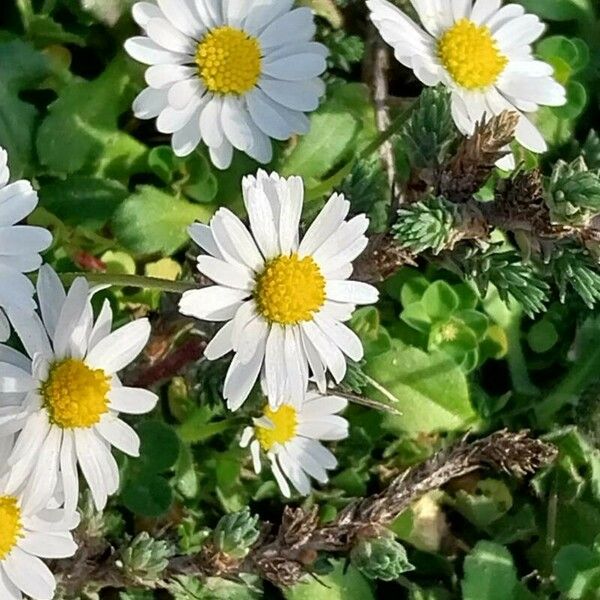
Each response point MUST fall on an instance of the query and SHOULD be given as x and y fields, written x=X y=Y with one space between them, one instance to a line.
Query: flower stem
x=337 y=178
x=137 y=281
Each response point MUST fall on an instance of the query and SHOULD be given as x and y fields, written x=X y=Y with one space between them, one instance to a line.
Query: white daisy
x=481 y=53
x=20 y=245
x=290 y=434
x=284 y=300
x=233 y=73
x=26 y=536
x=71 y=395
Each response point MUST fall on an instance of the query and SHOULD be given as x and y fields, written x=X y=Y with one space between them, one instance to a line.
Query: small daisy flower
x=71 y=395
x=20 y=245
x=232 y=74
x=290 y=436
x=481 y=52
x=26 y=537
x=283 y=300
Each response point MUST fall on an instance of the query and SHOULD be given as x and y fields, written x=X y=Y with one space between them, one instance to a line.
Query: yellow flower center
x=10 y=525
x=470 y=54
x=229 y=60
x=448 y=332
x=290 y=289
x=75 y=395
x=285 y=421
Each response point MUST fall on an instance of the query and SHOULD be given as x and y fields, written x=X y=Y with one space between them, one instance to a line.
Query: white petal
x=133 y=401
x=146 y=51
x=236 y=123
x=221 y=344
x=182 y=15
x=240 y=378
x=224 y=273
x=149 y=103
x=214 y=303
x=120 y=348
x=296 y=25
x=221 y=156
x=168 y=37
x=354 y=292
x=119 y=434
x=164 y=76
x=48 y=545
x=297 y=95
x=29 y=574
x=51 y=296
x=348 y=342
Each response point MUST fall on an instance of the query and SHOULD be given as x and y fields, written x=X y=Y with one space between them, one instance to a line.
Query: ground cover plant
x=299 y=299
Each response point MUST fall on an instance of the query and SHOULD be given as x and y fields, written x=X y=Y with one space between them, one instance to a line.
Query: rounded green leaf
x=147 y=495
x=430 y=390
x=440 y=300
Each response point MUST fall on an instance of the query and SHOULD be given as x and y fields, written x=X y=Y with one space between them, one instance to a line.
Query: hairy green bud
x=380 y=558
x=236 y=533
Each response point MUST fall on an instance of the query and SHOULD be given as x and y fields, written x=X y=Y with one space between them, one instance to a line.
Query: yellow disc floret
x=75 y=395
x=290 y=290
x=229 y=61
x=470 y=54
x=285 y=421
x=10 y=525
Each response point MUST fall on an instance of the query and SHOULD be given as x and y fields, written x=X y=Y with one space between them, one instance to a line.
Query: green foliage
x=145 y=559
x=511 y=278
x=23 y=68
x=380 y=558
x=573 y=269
x=343 y=122
x=236 y=533
x=366 y=189
x=340 y=584
x=430 y=131
x=80 y=131
x=147 y=492
x=137 y=227
x=426 y=225
x=574 y=193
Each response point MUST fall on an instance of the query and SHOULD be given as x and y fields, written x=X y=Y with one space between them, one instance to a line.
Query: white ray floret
x=67 y=415
x=291 y=435
x=481 y=52
x=283 y=299
x=20 y=245
x=26 y=537
x=230 y=74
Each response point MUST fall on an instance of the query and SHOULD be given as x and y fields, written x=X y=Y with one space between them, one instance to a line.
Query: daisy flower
x=232 y=74
x=20 y=245
x=290 y=435
x=481 y=52
x=26 y=536
x=283 y=300
x=71 y=395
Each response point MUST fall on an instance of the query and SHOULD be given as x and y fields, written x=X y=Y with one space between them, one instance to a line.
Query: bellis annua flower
x=481 y=52
x=26 y=537
x=284 y=299
x=290 y=435
x=232 y=74
x=20 y=245
x=71 y=395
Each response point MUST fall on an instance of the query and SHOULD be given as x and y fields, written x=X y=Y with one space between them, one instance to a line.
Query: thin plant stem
x=137 y=281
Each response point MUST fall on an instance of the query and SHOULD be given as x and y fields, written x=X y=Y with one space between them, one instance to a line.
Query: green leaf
x=492 y=500
x=489 y=573
x=147 y=495
x=577 y=571
x=44 y=30
x=159 y=446
x=542 y=336
x=86 y=201
x=334 y=133
x=151 y=221
x=340 y=584
x=83 y=119
x=430 y=390
x=21 y=68
x=440 y=301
